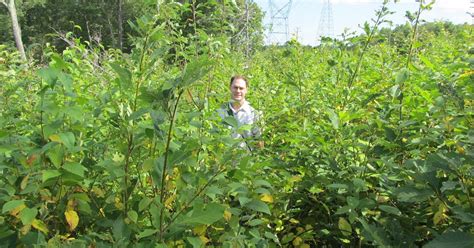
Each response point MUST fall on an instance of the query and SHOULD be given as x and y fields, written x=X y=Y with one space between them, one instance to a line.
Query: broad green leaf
x=75 y=168
x=124 y=74
x=374 y=233
x=50 y=174
x=395 y=91
x=144 y=203
x=133 y=216
x=146 y=233
x=208 y=215
x=67 y=139
x=196 y=242
x=463 y=215
x=258 y=206
x=426 y=61
x=334 y=118
x=7 y=207
x=390 y=210
x=402 y=76
x=27 y=215
x=55 y=153
x=452 y=239
x=345 y=227
x=50 y=75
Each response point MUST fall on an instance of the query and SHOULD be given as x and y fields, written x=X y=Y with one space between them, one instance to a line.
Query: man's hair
x=239 y=77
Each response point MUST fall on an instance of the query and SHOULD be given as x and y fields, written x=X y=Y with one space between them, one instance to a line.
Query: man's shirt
x=245 y=115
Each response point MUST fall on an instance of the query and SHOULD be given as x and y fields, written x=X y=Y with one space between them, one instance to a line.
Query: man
x=243 y=113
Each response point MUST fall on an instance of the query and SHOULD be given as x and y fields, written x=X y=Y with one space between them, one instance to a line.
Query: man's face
x=238 y=88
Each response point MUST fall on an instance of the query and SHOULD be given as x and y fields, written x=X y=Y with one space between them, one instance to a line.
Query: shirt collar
x=245 y=107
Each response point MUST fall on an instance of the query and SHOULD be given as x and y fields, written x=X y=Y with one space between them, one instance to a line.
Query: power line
x=326 y=21
x=278 y=29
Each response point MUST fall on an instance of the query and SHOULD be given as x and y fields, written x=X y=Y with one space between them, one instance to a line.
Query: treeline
x=106 y=23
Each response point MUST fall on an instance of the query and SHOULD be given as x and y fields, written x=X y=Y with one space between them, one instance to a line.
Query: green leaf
x=390 y=210
x=334 y=118
x=50 y=174
x=258 y=206
x=195 y=242
x=435 y=161
x=133 y=215
x=411 y=194
x=124 y=74
x=374 y=233
x=195 y=70
x=27 y=215
x=208 y=215
x=452 y=239
x=7 y=207
x=144 y=203
x=75 y=168
x=402 y=76
x=345 y=227
x=426 y=61
x=68 y=139
x=55 y=153
x=50 y=75
x=147 y=233
x=395 y=91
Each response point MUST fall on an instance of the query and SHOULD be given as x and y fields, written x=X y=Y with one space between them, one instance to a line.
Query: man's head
x=238 y=88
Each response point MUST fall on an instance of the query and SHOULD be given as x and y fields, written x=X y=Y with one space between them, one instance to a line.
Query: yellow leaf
x=297 y=241
x=72 y=219
x=24 y=182
x=294 y=221
x=40 y=226
x=169 y=201
x=345 y=227
x=267 y=198
x=295 y=179
x=25 y=229
x=438 y=217
x=101 y=210
x=71 y=204
x=200 y=230
x=98 y=192
x=204 y=239
x=460 y=149
x=55 y=138
x=15 y=211
x=304 y=246
x=227 y=215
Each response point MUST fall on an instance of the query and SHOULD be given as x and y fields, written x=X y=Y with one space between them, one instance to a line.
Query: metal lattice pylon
x=278 y=30
x=326 y=22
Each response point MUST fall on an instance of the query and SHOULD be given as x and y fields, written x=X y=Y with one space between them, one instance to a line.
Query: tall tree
x=10 y=4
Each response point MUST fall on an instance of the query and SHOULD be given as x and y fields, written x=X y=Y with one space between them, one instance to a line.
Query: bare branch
x=4 y=3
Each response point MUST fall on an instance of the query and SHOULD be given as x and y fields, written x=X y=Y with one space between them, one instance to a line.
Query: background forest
x=109 y=135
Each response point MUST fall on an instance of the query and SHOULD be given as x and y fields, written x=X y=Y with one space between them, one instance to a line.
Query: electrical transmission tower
x=278 y=31
x=326 y=22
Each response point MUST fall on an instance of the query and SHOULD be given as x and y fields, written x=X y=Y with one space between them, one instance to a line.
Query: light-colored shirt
x=245 y=115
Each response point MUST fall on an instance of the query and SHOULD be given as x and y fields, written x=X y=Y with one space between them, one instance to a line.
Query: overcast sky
x=305 y=15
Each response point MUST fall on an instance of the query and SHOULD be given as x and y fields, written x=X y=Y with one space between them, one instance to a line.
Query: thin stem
x=407 y=66
x=198 y=193
x=165 y=163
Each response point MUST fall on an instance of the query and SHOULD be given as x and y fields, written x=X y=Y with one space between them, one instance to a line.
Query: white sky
x=305 y=15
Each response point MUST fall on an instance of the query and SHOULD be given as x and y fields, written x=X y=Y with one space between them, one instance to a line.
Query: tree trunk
x=16 y=27
x=120 y=24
